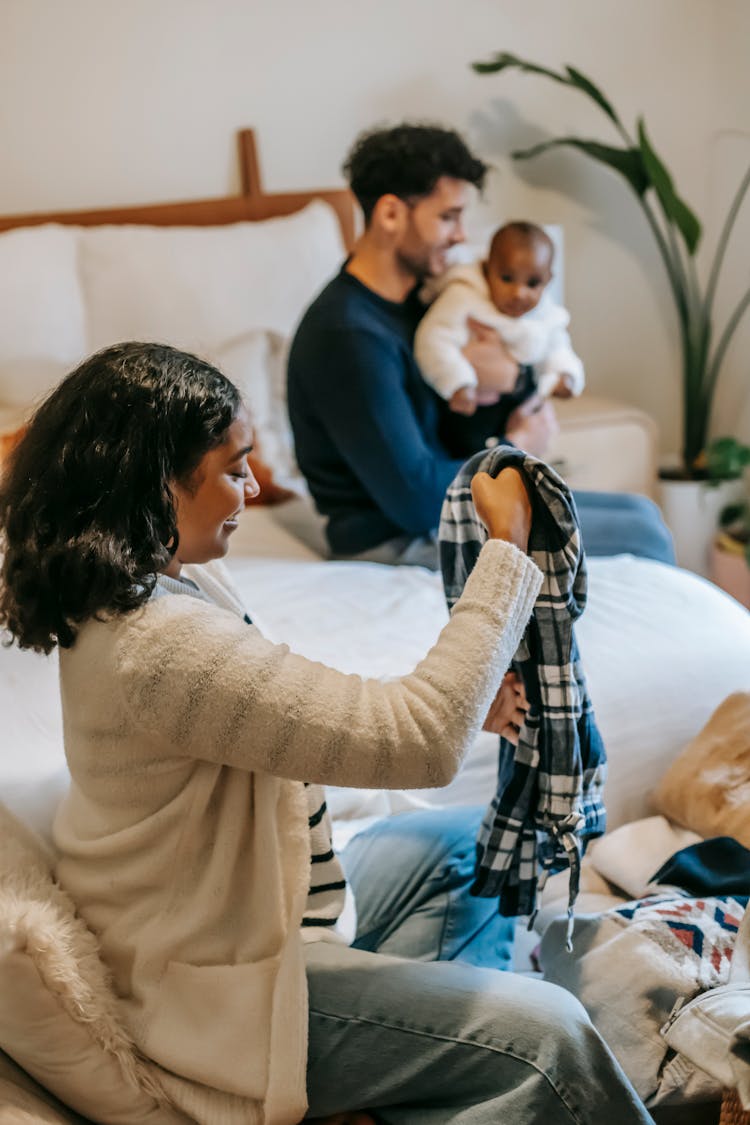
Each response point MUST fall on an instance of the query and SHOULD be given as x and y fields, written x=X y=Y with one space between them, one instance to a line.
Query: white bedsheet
x=661 y=647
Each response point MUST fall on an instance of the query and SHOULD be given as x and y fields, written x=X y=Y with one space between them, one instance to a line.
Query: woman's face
x=208 y=511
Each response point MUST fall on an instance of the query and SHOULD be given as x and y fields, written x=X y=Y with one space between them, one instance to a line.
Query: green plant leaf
x=504 y=60
x=726 y=459
x=731 y=513
x=676 y=210
x=627 y=161
x=587 y=86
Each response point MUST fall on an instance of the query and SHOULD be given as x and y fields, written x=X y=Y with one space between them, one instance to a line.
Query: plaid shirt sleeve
x=549 y=798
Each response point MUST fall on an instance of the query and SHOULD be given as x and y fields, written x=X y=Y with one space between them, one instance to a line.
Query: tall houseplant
x=677 y=232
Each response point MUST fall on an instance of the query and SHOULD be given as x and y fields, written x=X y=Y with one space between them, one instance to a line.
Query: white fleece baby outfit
x=539 y=338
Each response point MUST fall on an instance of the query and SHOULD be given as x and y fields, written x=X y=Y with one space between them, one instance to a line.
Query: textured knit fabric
x=185 y=840
x=330 y=914
x=549 y=795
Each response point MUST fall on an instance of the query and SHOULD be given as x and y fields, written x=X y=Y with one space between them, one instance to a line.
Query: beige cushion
x=58 y=1013
x=24 y=1102
x=707 y=788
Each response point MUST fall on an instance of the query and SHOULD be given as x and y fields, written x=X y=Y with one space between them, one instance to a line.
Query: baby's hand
x=464 y=400
x=562 y=388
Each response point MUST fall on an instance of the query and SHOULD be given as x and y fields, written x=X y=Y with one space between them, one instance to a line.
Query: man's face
x=434 y=223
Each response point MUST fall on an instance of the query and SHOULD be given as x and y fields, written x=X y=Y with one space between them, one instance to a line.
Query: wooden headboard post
x=249 y=164
x=252 y=205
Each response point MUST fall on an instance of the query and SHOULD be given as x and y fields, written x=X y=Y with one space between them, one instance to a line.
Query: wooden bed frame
x=252 y=204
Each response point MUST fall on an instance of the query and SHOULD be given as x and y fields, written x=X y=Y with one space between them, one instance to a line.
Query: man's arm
x=372 y=421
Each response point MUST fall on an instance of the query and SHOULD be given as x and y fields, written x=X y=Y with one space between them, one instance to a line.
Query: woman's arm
x=202 y=684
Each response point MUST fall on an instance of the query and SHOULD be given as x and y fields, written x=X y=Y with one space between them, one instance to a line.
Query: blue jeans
x=426 y=1042
x=612 y=523
x=621 y=523
x=424 y=911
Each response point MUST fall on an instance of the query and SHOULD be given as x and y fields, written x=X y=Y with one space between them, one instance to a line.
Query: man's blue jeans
x=426 y=1042
x=612 y=523
x=621 y=523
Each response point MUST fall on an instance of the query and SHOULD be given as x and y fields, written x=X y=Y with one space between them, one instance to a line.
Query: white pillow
x=42 y=318
x=199 y=287
x=256 y=364
x=29 y=1102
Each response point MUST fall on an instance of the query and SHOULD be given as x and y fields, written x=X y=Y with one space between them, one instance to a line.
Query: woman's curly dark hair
x=87 y=516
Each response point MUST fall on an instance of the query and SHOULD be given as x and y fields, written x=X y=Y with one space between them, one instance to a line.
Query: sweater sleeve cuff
x=506 y=579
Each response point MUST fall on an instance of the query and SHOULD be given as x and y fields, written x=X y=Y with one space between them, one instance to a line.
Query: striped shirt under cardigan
x=330 y=914
x=549 y=795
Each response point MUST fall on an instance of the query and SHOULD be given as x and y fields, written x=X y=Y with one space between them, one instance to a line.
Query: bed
x=229 y=278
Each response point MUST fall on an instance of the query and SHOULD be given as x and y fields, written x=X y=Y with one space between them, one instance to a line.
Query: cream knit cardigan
x=184 y=837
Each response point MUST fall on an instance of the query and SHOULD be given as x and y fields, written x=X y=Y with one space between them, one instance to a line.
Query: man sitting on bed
x=372 y=439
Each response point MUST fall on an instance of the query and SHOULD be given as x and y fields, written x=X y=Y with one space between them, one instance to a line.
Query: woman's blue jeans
x=411 y=1023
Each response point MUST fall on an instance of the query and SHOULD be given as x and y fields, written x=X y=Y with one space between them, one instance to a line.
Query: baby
x=508 y=293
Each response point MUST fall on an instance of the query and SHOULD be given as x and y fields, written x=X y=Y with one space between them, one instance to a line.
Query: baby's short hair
x=521 y=231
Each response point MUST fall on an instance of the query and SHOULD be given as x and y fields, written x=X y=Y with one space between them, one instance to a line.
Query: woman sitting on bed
x=195 y=838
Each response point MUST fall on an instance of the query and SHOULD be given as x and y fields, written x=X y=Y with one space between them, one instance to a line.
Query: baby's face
x=517 y=274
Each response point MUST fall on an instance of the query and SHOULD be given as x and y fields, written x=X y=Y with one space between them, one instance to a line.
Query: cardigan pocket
x=211 y=1024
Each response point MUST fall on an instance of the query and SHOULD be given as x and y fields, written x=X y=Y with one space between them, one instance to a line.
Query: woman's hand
x=503 y=506
x=507 y=713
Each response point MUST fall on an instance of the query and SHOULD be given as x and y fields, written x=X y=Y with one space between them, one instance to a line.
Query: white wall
x=126 y=101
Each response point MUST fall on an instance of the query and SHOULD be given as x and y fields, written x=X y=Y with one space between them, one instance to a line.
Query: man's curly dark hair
x=408 y=160
x=87 y=516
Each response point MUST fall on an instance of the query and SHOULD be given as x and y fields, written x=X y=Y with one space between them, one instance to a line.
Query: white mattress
x=661 y=648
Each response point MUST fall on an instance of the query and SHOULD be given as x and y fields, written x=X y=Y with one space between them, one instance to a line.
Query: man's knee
x=614 y=523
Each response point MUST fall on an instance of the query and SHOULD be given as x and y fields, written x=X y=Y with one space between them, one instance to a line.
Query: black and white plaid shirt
x=549 y=795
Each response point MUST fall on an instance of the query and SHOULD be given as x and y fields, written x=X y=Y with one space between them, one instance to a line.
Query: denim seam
x=466 y=1041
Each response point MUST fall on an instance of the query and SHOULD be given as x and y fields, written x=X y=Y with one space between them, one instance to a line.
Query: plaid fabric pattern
x=549 y=795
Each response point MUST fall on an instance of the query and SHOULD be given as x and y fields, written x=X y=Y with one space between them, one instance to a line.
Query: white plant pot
x=691 y=511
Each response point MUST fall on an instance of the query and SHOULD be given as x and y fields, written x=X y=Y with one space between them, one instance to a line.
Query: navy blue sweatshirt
x=366 y=425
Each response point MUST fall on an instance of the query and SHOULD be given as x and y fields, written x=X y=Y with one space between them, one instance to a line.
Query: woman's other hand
x=507 y=712
x=503 y=506
x=532 y=426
